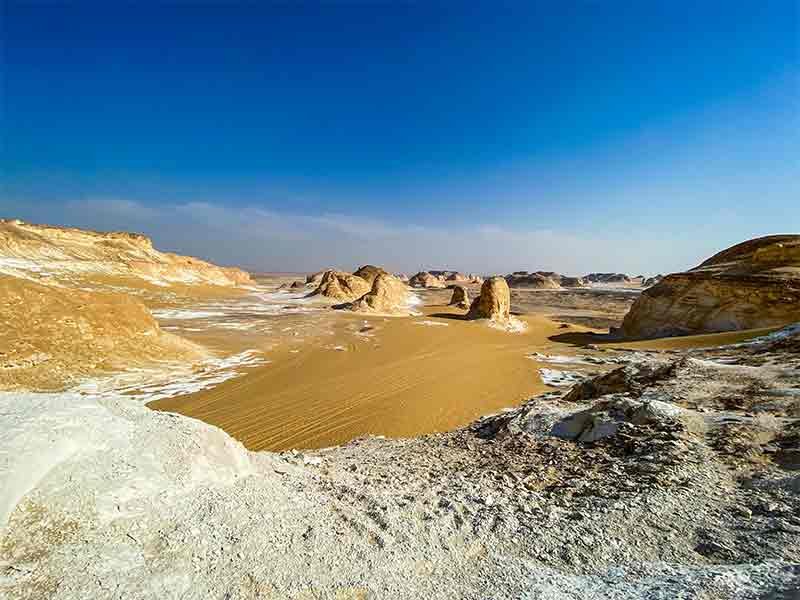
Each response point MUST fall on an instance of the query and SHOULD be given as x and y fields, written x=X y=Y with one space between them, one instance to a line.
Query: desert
x=225 y=418
x=335 y=300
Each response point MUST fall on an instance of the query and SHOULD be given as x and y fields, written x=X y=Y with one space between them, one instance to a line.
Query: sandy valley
x=176 y=429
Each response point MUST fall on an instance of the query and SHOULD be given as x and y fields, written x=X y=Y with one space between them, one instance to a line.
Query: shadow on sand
x=587 y=338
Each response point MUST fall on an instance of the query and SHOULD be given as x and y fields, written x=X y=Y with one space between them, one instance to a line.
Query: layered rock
x=423 y=279
x=341 y=287
x=388 y=296
x=69 y=254
x=753 y=284
x=460 y=297
x=494 y=302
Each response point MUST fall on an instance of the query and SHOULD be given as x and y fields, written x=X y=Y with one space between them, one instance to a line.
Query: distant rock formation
x=423 y=279
x=494 y=303
x=458 y=277
x=523 y=279
x=388 y=296
x=341 y=287
x=750 y=285
x=65 y=253
x=473 y=278
x=460 y=297
x=296 y=285
x=369 y=272
x=607 y=278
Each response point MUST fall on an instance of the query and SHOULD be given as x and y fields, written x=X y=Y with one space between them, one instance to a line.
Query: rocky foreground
x=672 y=475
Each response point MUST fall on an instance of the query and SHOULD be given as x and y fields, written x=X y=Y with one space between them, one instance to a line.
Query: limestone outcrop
x=369 y=272
x=388 y=296
x=423 y=279
x=460 y=297
x=457 y=277
x=69 y=254
x=523 y=279
x=341 y=287
x=607 y=278
x=494 y=303
x=750 y=285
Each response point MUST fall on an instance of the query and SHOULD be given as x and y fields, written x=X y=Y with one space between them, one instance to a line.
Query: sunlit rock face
x=750 y=285
x=494 y=303
x=69 y=253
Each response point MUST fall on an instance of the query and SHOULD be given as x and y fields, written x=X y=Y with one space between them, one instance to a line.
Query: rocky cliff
x=36 y=251
x=750 y=285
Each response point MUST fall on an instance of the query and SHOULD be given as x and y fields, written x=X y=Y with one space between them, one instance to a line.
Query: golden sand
x=404 y=377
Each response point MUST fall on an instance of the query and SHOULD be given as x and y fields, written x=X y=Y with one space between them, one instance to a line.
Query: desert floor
x=332 y=376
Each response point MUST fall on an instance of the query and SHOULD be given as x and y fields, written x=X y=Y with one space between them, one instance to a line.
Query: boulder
x=341 y=287
x=750 y=285
x=632 y=379
x=494 y=302
x=460 y=297
x=423 y=279
x=388 y=296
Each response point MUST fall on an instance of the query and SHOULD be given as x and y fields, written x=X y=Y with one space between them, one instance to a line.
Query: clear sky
x=573 y=136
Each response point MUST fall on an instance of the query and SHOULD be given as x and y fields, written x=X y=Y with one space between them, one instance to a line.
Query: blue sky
x=572 y=136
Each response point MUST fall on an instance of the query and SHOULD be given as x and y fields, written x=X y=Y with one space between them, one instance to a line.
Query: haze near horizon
x=584 y=137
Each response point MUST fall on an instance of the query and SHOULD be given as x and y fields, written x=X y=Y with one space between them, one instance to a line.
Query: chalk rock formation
x=296 y=285
x=369 y=272
x=71 y=254
x=523 y=279
x=315 y=278
x=388 y=296
x=424 y=279
x=607 y=278
x=460 y=297
x=458 y=277
x=494 y=303
x=341 y=287
x=750 y=285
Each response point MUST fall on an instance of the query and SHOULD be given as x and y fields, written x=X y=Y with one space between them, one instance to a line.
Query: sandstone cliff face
x=34 y=250
x=750 y=285
x=494 y=303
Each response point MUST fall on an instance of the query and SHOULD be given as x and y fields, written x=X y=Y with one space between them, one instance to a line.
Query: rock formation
x=607 y=278
x=460 y=297
x=315 y=278
x=369 y=272
x=341 y=287
x=651 y=281
x=494 y=303
x=750 y=285
x=296 y=285
x=65 y=253
x=457 y=277
x=523 y=279
x=423 y=279
x=388 y=296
